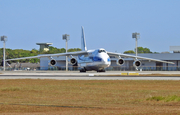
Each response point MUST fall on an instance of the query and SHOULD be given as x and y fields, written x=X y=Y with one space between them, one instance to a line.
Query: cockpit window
x=100 y=51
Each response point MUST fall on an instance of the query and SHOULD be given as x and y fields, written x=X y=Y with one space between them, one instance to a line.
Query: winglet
x=83 y=42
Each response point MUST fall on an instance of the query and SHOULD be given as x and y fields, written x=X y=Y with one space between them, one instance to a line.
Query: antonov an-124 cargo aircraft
x=89 y=60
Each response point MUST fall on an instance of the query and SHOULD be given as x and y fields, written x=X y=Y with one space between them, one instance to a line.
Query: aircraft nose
x=107 y=61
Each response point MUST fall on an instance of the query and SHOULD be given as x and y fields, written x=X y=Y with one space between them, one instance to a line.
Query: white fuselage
x=96 y=60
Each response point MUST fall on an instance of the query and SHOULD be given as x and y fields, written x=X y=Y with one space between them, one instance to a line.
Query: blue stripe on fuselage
x=97 y=59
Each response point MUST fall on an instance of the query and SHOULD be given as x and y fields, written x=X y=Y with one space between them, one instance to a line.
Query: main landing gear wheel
x=103 y=70
x=82 y=70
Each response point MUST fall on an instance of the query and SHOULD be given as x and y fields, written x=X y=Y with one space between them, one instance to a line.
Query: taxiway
x=62 y=75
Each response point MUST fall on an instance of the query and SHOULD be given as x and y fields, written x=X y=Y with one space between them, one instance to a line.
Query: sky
x=108 y=24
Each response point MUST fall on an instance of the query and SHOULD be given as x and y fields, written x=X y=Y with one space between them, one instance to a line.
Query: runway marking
x=91 y=74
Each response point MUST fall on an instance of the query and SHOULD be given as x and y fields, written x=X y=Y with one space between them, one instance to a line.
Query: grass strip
x=165 y=99
x=89 y=96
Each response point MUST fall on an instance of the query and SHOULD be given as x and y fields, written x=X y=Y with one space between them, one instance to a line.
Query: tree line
x=139 y=50
x=18 y=53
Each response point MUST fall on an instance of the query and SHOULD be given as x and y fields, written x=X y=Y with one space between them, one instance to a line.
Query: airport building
x=44 y=46
x=128 y=65
x=146 y=65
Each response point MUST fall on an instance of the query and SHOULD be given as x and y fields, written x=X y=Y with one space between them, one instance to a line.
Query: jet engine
x=73 y=61
x=52 y=62
x=136 y=63
x=120 y=61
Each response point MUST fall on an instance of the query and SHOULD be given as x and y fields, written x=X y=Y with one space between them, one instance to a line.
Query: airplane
x=89 y=60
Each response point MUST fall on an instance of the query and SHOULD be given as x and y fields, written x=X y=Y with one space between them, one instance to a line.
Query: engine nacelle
x=52 y=62
x=73 y=61
x=120 y=61
x=136 y=63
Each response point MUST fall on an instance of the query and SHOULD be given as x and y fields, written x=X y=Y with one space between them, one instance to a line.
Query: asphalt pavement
x=74 y=75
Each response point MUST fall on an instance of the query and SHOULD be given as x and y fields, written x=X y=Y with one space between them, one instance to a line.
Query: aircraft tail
x=83 y=41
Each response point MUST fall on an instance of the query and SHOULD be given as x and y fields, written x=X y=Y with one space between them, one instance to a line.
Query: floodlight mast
x=4 y=38
x=136 y=36
x=66 y=37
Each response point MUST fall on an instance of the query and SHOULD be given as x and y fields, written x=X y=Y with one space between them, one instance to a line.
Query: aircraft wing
x=52 y=55
x=136 y=57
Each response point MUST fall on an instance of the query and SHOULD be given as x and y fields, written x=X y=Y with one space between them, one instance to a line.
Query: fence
x=111 y=68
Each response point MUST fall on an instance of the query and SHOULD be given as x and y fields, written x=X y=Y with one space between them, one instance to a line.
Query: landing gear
x=102 y=70
x=83 y=70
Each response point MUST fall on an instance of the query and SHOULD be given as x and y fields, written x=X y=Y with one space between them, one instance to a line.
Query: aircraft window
x=100 y=51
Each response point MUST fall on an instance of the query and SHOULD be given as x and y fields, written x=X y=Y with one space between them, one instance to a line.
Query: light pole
x=4 y=38
x=136 y=36
x=66 y=37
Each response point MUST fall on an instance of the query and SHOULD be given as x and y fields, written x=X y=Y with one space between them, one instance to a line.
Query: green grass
x=11 y=89
x=165 y=99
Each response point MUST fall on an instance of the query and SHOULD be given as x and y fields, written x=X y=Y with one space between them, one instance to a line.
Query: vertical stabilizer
x=83 y=41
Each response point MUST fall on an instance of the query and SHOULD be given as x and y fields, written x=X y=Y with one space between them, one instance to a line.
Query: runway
x=56 y=75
